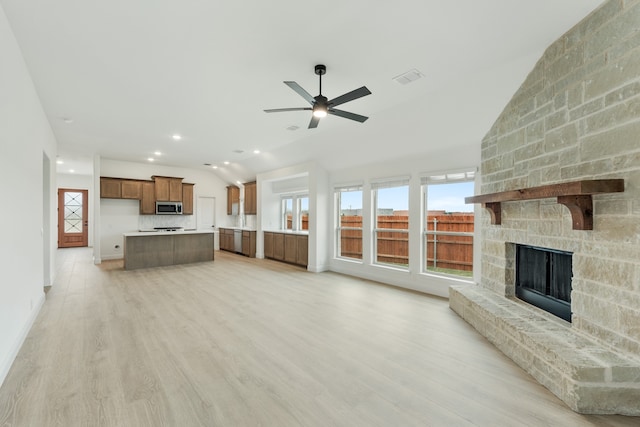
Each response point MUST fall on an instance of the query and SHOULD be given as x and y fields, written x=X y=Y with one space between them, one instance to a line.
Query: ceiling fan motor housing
x=321 y=70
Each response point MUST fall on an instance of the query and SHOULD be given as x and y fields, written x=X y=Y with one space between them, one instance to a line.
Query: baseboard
x=6 y=364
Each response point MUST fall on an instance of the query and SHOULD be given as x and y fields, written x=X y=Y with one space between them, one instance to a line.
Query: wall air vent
x=408 y=77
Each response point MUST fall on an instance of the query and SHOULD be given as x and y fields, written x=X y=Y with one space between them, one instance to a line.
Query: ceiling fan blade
x=300 y=91
x=348 y=115
x=350 y=96
x=278 y=110
x=314 y=122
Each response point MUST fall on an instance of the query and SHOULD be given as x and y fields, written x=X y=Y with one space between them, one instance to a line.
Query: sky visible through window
x=450 y=197
x=445 y=197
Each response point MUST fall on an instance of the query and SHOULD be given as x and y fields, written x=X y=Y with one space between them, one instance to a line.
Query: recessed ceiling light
x=226 y=162
x=157 y=153
x=214 y=166
x=60 y=162
x=256 y=151
x=238 y=182
x=71 y=171
x=176 y=137
x=151 y=159
x=67 y=120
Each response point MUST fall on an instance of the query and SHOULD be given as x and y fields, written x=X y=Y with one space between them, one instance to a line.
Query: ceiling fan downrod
x=320 y=71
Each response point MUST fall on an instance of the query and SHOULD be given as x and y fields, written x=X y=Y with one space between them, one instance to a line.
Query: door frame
x=85 y=216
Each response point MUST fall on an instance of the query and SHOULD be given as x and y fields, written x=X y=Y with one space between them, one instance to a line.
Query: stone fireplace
x=576 y=117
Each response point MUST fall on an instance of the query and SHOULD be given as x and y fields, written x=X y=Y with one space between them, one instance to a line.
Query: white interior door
x=206 y=218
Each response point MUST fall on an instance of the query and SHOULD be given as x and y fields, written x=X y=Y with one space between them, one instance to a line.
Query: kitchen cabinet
x=187 y=199
x=249 y=243
x=226 y=239
x=302 y=250
x=148 y=199
x=168 y=189
x=288 y=247
x=110 y=188
x=250 y=198
x=268 y=244
x=278 y=246
x=162 y=188
x=233 y=200
x=131 y=189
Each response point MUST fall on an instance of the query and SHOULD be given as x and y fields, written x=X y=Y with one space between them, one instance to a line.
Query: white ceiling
x=130 y=74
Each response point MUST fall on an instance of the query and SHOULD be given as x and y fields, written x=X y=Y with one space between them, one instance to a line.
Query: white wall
x=121 y=216
x=25 y=135
x=415 y=167
x=80 y=182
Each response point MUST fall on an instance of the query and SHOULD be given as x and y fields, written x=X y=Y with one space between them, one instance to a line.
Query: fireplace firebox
x=543 y=279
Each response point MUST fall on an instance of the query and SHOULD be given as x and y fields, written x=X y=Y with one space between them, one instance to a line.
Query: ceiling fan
x=320 y=105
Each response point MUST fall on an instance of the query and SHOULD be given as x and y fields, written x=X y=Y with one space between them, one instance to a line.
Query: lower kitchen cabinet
x=278 y=246
x=226 y=239
x=227 y=242
x=302 y=250
x=249 y=243
x=287 y=247
x=268 y=244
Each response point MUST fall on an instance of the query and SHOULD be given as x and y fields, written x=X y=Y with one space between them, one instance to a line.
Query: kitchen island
x=143 y=249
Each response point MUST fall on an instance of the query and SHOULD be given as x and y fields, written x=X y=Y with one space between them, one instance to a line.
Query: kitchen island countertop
x=167 y=233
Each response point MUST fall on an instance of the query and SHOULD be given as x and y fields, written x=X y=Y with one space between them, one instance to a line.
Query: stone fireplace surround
x=576 y=117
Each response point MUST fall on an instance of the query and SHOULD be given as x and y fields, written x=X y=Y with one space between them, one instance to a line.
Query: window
x=287 y=213
x=303 y=212
x=448 y=224
x=391 y=233
x=349 y=222
x=298 y=218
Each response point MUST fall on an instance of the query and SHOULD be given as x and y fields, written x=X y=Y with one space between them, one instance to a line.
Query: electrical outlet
x=117 y=246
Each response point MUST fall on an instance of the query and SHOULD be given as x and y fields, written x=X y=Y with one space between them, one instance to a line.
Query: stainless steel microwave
x=168 y=208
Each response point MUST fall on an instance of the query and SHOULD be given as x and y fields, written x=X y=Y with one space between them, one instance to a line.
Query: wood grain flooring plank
x=250 y=342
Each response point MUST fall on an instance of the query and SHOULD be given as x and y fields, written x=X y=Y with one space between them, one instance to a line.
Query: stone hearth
x=588 y=377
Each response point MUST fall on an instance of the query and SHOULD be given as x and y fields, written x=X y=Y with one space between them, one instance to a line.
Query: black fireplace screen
x=543 y=278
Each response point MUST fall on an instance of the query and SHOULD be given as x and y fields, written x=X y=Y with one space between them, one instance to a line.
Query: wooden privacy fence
x=443 y=250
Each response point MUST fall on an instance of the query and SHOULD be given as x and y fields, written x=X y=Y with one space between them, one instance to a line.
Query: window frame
x=449 y=177
x=383 y=184
x=296 y=219
x=339 y=228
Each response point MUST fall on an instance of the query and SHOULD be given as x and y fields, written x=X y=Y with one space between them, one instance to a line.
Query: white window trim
x=376 y=185
x=443 y=177
x=337 y=191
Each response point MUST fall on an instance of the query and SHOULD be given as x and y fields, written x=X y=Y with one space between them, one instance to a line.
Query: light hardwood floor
x=248 y=342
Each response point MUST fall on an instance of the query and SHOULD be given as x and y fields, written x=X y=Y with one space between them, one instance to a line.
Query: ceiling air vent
x=238 y=151
x=408 y=77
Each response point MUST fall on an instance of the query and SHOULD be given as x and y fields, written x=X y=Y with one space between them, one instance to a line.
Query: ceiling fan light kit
x=321 y=105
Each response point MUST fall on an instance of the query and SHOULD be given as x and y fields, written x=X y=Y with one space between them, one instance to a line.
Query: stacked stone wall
x=577 y=116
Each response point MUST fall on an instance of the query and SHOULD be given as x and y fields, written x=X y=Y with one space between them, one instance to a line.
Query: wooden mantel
x=574 y=195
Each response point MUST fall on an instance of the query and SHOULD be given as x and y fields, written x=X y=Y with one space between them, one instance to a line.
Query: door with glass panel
x=73 y=223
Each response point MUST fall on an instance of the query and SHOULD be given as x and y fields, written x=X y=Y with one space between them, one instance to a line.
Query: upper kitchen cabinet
x=110 y=188
x=131 y=189
x=233 y=200
x=187 y=199
x=250 y=198
x=168 y=189
x=148 y=199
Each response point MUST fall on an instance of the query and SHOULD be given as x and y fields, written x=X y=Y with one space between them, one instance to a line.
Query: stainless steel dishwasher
x=237 y=241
